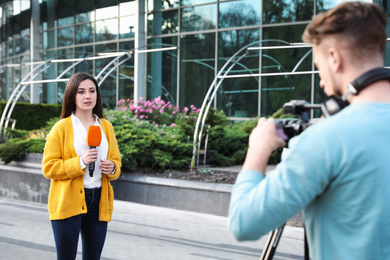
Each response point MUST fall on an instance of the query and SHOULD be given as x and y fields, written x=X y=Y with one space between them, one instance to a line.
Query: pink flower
x=161 y=111
x=173 y=125
x=173 y=112
x=125 y=108
x=185 y=109
x=141 y=117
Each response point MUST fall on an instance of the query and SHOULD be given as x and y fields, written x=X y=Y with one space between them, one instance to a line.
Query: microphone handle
x=91 y=166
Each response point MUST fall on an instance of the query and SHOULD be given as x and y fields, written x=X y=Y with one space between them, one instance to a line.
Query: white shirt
x=81 y=147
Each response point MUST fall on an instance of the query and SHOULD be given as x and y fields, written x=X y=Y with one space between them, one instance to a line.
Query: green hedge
x=32 y=116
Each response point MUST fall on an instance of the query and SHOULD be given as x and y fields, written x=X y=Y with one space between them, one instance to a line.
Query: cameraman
x=338 y=170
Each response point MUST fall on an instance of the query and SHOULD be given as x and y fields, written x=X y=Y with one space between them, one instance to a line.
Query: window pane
x=65 y=36
x=126 y=46
x=241 y=13
x=84 y=33
x=197 y=62
x=126 y=74
x=49 y=39
x=108 y=88
x=129 y=8
x=238 y=97
x=84 y=11
x=276 y=11
x=126 y=27
x=81 y=52
x=324 y=5
x=65 y=12
x=279 y=89
x=85 y=17
x=25 y=44
x=25 y=5
x=108 y=12
x=155 y=5
x=107 y=30
x=162 y=71
x=48 y=15
x=199 y=18
x=196 y=2
x=163 y=23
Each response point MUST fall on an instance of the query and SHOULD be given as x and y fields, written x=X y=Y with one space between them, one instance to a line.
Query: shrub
x=29 y=116
x=142 y=146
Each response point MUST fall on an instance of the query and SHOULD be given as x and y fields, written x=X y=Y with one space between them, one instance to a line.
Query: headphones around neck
x=334 y=104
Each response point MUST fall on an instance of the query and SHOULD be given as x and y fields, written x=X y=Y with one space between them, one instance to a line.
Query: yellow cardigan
x=61 y=164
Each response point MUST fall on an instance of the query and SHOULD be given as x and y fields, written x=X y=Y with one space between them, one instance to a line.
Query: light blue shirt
x=338 y=171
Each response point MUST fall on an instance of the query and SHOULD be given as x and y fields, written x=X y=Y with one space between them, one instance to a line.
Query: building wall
x=206 y=32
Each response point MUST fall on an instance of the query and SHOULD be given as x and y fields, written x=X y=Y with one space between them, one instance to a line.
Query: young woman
x=77 y=201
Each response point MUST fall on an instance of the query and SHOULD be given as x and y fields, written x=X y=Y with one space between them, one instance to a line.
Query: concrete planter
x=24 y=180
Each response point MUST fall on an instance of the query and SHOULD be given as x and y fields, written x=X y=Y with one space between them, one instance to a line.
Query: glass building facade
x=205 y=35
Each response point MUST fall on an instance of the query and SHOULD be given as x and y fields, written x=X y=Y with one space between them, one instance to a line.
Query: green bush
x=32 y=116
x=156 y=147
x=153 y=142
x=16 y=149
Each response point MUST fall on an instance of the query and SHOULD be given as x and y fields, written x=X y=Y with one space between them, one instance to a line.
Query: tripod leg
x=272 y=243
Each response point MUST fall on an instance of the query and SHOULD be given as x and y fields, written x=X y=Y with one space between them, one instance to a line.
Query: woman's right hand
x=90 y=156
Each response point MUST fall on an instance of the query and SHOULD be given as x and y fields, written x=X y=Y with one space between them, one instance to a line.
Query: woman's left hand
x=106 y=166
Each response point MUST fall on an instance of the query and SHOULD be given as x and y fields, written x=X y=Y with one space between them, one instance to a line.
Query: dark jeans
x=93 y=232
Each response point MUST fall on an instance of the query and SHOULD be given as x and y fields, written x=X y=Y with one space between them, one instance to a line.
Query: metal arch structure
x=7 y=112
x=239 y=55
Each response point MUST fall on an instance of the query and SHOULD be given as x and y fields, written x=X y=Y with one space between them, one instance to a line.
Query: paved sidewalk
x=138 y=232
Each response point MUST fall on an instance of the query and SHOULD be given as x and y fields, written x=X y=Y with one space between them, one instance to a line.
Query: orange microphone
x=94 y=138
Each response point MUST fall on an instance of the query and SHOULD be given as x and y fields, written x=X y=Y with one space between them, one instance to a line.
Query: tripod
x=273 y=241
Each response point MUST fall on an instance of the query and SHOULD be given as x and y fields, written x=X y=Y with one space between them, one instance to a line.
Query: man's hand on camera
x=262 y=142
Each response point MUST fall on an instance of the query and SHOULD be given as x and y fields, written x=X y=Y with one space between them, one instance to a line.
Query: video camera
x=294 y=126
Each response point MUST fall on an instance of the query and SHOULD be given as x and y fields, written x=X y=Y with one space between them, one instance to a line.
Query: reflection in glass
x=162 y=70
x=107 y=30
x=324 y=5
x=163 y=23
x=199 y=18
x=276 y=11
x=84 y=33
x=126 y=74
x=196 y=68
x=82 y=52
x=49 y=39
x=196 y=2
x=65 y=12
x=241 y=13
x=129 y=8
x=65 y=36
x=25 y=44
x=155 y=5
x=17 y=46
x=85 y=17
x=278 y=90
x=107 y=12
x=108 y=88
x=239 y=96
x=84 y=11
x=127 y=27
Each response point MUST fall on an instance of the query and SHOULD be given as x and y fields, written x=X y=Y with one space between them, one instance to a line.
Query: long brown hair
x=69 y=104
